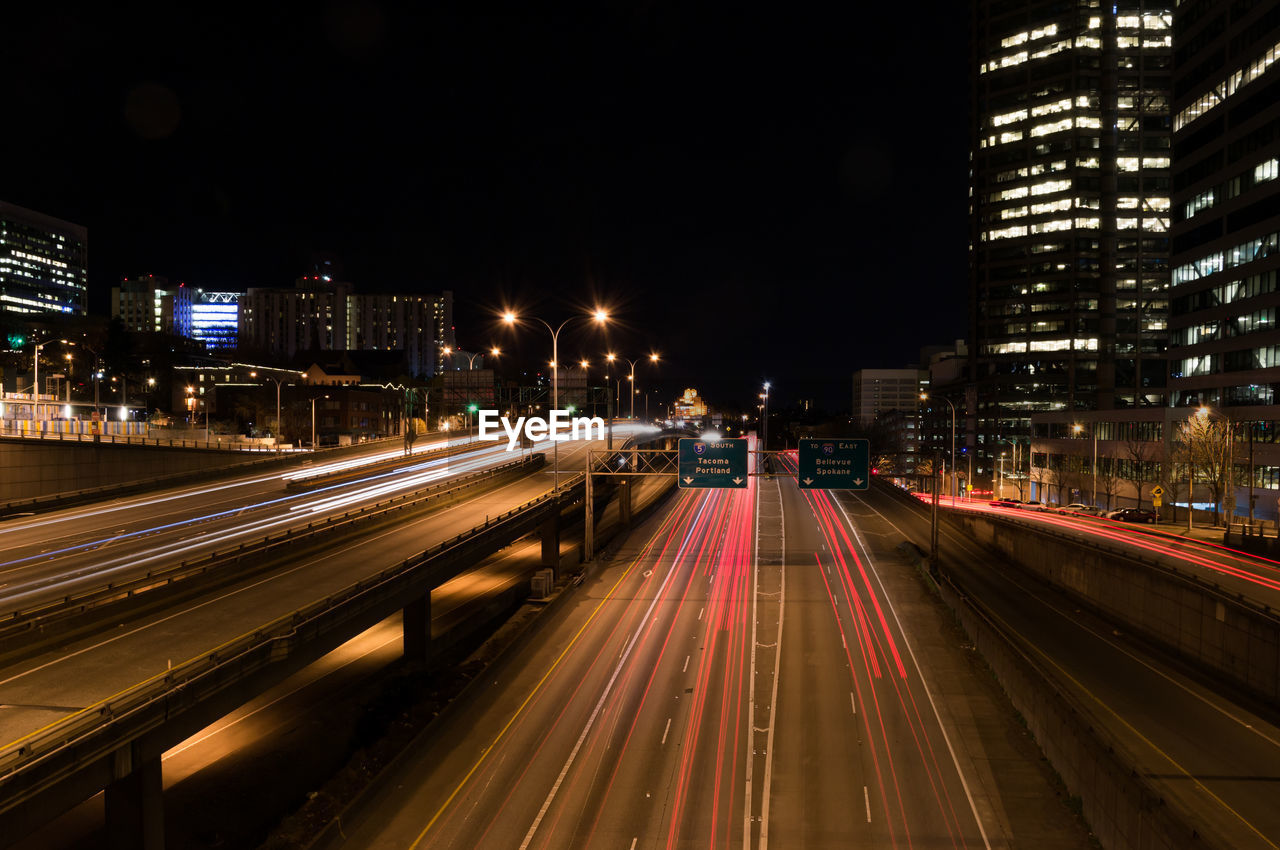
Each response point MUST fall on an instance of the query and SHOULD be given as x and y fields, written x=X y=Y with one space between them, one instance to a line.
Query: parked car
x=1035 y=505
x=1081 y=509
x=1132 y=515
x=1005 y=503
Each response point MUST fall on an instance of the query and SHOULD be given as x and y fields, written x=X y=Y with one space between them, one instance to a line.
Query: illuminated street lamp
x=313 y=422
x=277 y=382
x=1079 y=429
x=35 y=389
x=471 y=362
x=600 y=317
x=653 y=358
x=1205 y=413
x=925 y=397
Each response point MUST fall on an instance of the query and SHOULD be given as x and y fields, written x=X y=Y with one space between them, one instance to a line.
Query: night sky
x=765 y=191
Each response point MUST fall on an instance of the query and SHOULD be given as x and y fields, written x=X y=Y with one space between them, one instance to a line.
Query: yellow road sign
x=1157 y=491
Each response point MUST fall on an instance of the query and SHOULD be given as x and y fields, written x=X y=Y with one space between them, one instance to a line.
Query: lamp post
x=765 y=426
x=1206 y=413
x=631 y=376
x=471 y=363
x=35 y=394
x=925 y=397
x=313 y=421
x=277 y=382
x=1000 y=473
x=600 y=317
x=1078 y=429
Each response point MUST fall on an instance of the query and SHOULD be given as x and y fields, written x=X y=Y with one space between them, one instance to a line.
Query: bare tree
x=1108 y=480
x=1139 y=456
x=1208 y=450
x=1067 y=471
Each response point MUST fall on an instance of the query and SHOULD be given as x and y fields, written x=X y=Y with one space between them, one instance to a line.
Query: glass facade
x=1225 y=346
x=1070 y=210
x=44 y=263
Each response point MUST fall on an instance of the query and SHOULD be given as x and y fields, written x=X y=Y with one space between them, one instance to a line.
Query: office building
x=321 y=314
x=1070 y=211
x=44 y=263
x=150 y=304
x=215 y=320
x=876 y=392
x=1225 y=344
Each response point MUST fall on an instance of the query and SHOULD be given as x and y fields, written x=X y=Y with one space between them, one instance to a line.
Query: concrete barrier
x=1229 y=636
x=1121 y=809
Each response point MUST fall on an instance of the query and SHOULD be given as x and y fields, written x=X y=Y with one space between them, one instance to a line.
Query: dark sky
x=756 y=191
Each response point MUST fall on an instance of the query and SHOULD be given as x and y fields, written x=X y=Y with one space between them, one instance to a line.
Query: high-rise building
x=320 y=314
x=149 y=304
x=878 y=391
x=1225 y=343
x=312 y=316
x=1070 y=210
x=44 y=263
x=889 y=399
x=215 y=320
x=419 y=325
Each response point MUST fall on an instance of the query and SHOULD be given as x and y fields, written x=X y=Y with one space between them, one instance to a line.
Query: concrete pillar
x=550 y=534
x=135 y=804
x=417 y=628
x=624 y=500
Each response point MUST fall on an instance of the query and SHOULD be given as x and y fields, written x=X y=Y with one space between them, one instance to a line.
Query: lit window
x=1008 y=117
x=1266 y=171
x=1049 y=186
x=1055 y=127
x=1128 y=21
x=1126 y=203
x=1088 y=223
x=1128 y=163
x=1013 y=212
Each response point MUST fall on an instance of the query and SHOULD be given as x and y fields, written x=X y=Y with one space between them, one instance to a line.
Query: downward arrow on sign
x=808 y=481
x=688 y=480
x=858 y=481
x=737 y=481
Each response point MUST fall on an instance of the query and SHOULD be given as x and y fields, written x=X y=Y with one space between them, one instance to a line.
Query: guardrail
x=21 y=627
x=46 y=756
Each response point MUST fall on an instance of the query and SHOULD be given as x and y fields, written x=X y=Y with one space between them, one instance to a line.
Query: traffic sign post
x=713 y=463
x=834 y=464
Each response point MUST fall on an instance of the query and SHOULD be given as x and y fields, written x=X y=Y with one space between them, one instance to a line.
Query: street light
x=471 y=362
x=35 y=380
x=1000 y=472
x=1205 y=413
x=600 y=317
x=277 y=382
x=925 y=397
x=1078 y=429
x=765 y=424
x=313 y=422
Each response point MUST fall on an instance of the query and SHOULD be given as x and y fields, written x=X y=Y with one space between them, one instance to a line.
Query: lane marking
x=538 y=687
x=595 y=712
x=685 y=668
x=866 y=798
x=928 y=692
x=854 y=703
x=700 y=612
x=665 y=731
x=777 y=672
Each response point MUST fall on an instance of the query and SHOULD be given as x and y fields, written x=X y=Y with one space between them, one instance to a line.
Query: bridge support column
x=624 y=500
x=550 y=534
x=135 y=803
x=417 y=628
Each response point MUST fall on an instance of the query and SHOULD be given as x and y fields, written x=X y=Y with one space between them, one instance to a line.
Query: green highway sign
x=713 y=463
x=834 y=464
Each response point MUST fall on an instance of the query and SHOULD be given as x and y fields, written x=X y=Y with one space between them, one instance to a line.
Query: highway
x=265 y=757
x=64 y=552
x=738 y=678
x=60 y=682
x=1215 y=758
x=1238 y=572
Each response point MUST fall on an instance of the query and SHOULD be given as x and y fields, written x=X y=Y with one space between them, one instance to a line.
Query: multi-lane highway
x=81 y=544
x=741 y=679
x=57 y=554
